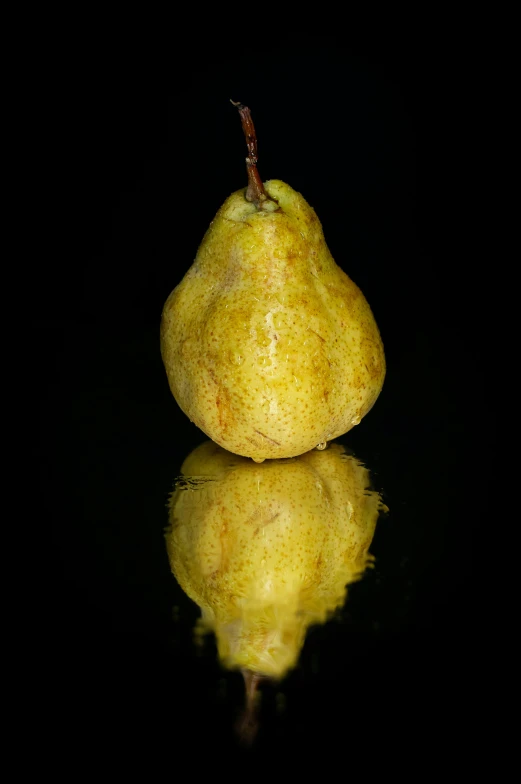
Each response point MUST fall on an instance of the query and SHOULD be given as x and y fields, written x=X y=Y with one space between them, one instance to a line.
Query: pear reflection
x=268 y=550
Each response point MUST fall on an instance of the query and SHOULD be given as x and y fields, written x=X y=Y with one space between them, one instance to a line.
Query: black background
x=146 y=149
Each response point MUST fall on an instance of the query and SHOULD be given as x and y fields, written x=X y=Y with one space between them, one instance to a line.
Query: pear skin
x=269 y=347
x=267 y=550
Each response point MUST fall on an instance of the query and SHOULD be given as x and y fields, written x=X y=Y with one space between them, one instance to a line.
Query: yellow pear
x=269 y=347
x=267 y=550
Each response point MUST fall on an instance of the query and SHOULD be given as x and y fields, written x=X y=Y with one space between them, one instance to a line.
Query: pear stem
x=255 y=191
x=248 y=724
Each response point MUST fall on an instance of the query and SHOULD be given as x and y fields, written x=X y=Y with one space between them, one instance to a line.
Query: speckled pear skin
x=267 y=550
x=269 y=347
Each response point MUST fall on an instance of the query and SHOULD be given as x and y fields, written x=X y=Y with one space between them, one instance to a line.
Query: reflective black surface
x=357 y=139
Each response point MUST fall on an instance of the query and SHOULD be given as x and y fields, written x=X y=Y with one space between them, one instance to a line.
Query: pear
x=269 y=347
x=267 y=550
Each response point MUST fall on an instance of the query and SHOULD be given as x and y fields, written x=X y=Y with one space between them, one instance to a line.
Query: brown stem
x=255 y=191
x=248 y=724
